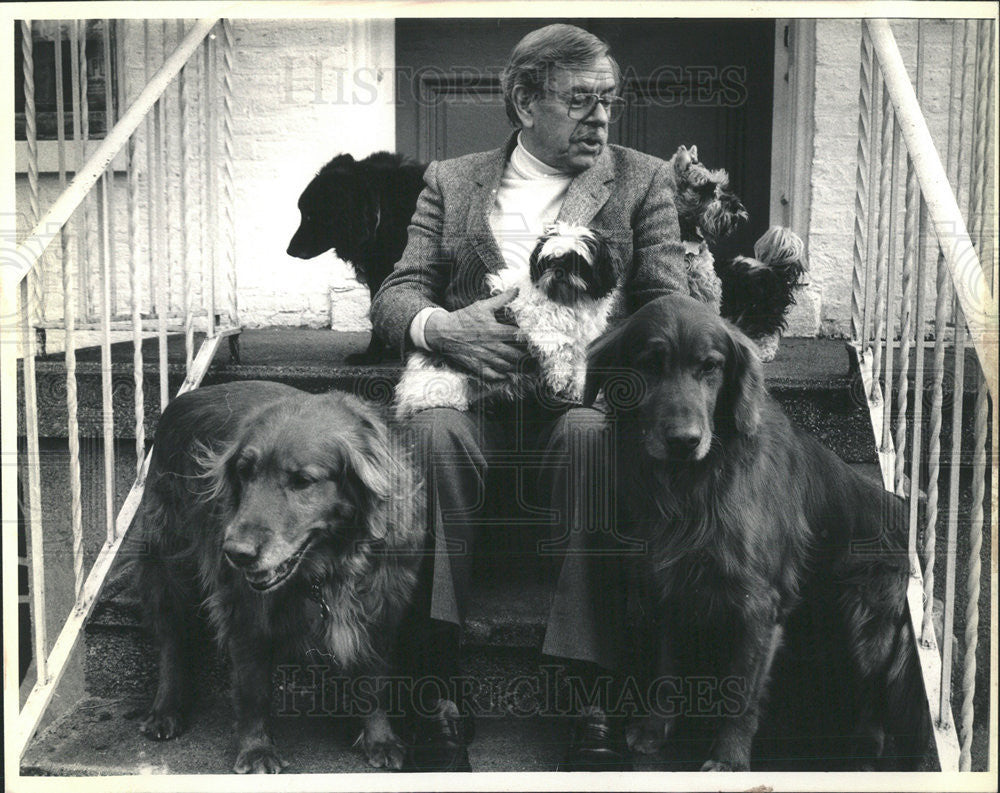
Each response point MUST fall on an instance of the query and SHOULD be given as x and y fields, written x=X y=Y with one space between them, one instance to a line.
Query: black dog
x=360 y=209
x=749 y=522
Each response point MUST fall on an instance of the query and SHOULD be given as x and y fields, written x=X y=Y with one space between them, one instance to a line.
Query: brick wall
x=831 y=230
x=296 y=109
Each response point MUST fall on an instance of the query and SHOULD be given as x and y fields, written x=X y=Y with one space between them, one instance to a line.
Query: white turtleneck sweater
x=529 y=198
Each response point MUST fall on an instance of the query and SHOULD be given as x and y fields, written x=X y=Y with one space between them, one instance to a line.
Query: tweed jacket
x=626 y=195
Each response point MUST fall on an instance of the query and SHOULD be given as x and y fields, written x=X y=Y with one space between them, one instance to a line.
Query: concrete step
x=100 y=737
x=810 y=377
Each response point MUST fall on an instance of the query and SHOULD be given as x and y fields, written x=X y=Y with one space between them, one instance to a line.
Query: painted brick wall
x=306 y=91
x=831 y=231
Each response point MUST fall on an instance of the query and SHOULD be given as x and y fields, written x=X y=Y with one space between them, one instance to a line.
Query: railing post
x=886 y=164
x=911 y=212
x=228 y=160
x=32 y=458
x=186 y=214
x=109 y=119
x=212 y=167
x=106 y=384
x=135 y=287
x=978 y=229
x=861 y=205
x=86 y=287
x=958 y=394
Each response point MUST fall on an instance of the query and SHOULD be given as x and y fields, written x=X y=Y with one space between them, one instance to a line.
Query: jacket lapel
x=481 y=202
x=588 y=192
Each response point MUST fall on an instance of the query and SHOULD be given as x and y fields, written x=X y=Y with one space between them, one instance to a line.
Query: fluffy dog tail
x=758 y=292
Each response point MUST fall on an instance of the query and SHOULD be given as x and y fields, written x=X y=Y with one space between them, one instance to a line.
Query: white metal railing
x=890 y=322
x=168 y=292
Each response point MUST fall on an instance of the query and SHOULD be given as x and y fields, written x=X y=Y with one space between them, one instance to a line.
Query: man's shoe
x=594 y=746
x=440 y=741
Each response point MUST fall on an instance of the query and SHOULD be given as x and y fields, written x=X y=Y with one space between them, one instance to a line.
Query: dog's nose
x=683 y=444
x=240 y=554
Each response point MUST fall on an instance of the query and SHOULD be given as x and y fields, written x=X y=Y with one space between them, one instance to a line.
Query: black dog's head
x=572 y=262
x=339 y=211
x=706 y=208
x=681 y=375
x=306 y=480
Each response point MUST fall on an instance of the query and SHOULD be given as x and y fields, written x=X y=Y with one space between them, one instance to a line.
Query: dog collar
x=316 y=594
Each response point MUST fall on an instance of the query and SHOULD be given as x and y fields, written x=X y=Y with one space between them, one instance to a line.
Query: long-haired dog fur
x=562 y=304
x=360 y=209
x=755 y=293
x=758 y=291
x=289 y=521
x=750 y=521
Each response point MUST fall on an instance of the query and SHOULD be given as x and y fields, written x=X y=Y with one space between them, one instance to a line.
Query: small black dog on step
x=360 y=209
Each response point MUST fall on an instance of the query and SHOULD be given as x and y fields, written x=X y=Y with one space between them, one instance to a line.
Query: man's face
x=558 y=140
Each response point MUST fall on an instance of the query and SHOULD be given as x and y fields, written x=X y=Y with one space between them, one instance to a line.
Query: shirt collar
x=528 y=166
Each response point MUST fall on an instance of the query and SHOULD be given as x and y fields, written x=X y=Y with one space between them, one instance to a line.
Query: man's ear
x=522 y=98
x=605 y=360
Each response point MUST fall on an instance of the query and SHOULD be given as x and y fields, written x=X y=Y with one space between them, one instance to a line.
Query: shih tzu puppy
x=563 y=301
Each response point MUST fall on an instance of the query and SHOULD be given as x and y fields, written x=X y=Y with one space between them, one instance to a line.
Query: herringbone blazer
x=626 y=195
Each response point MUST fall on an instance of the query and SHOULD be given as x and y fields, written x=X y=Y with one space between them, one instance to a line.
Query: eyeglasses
x=580 y=105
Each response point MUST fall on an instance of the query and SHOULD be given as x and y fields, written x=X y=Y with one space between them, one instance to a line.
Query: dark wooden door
x=702 y=82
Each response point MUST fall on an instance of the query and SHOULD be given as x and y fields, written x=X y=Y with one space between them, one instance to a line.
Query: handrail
x=94 y=177
x=969 y=280
x=48 y=226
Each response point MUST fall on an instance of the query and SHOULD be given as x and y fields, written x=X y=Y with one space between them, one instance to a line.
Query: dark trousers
x=568 y=454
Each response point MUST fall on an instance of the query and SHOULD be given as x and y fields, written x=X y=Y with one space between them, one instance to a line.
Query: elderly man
x=478 y=214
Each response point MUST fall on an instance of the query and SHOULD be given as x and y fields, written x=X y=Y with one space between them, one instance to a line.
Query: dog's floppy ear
x=744 y=382
x=534 y=271
x=216 y=472
x=375 y=474
x=606 y=357
x=605 y=271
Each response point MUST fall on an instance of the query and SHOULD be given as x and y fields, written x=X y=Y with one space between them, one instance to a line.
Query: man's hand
x=473 y=339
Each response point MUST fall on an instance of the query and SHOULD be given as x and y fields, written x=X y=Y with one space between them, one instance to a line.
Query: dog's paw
x=715 y=765
x=262 y=758
x=723 y=765
x=382 y=747
x=647 y=736
x=383 y=750
x=162 y=726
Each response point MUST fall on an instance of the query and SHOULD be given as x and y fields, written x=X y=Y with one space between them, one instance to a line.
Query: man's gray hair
x=556 y=46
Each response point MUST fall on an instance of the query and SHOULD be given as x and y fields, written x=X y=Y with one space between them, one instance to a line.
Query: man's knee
x=446 y=431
